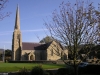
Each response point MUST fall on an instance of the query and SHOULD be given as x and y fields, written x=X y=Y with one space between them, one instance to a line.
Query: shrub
x=49 y=72
x=36 y=61
x=37 y=70
x=23 y=71
x=65 y=71
x=92 y=69
x=62 y=71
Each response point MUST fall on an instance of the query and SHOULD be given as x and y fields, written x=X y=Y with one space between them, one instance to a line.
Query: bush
x=23 y=71
x=37 y=70
x=36 y=61
x=70 y=70
x=62 y=71
x=48 y=72
x=65 y=71
x=92 y=69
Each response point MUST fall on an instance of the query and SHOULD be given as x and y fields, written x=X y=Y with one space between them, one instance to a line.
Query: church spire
x=17 y=39
x=17 y=21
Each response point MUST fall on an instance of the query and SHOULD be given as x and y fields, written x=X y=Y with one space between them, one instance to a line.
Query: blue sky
x=32 y=14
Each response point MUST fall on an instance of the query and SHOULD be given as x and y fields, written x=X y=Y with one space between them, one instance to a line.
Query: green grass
x=13 y=67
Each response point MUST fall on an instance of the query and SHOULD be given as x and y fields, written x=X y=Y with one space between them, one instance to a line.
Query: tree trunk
x=75 y=68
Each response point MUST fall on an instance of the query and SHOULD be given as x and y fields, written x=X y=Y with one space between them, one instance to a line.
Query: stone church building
x=34 y=51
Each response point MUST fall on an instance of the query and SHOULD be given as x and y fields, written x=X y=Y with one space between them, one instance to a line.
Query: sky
x=32 y=16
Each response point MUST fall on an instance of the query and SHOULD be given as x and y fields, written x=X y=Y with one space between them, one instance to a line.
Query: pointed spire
x=17 y=21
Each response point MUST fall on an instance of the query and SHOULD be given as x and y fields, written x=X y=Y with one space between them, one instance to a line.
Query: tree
x=46 y=39
x=0 y=56
x=2 y=6
x=74 y=25
x=8 y=52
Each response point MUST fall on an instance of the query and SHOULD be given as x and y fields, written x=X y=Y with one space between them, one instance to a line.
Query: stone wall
x=16 y=45
x=26 y=52
x=37 y=54
x=54 y=51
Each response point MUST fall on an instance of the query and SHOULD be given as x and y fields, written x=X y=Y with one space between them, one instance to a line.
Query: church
x=34 y=51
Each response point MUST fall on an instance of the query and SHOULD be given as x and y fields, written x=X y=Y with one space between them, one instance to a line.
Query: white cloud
x=34 y=30
x=23 y=31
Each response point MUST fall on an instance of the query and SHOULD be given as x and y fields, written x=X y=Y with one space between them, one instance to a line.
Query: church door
x=31 y=57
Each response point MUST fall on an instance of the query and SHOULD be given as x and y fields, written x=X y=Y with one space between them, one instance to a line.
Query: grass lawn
x=12 y=67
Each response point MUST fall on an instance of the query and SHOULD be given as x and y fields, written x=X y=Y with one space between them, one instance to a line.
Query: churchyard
x=61 y=69
x=15 y=67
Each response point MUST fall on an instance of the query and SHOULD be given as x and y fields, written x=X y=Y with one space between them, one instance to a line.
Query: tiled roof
x=29 y=45
x=36 y=46
x=1 y=50
x=43 y=46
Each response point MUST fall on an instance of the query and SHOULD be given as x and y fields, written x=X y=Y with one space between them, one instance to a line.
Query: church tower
x=17 y=40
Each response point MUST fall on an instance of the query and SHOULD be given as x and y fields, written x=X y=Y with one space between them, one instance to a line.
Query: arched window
x=52 y=52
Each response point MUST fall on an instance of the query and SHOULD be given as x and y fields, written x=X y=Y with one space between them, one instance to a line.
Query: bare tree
x=74 y=25
x=2 y=7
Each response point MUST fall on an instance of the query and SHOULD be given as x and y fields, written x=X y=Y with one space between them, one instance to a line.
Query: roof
x=29 y=45
x=1 y=50
x=36 y=46
x=43 y=46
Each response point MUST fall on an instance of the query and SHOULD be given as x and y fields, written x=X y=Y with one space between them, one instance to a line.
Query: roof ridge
x=33 y=42
x=1 y=48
